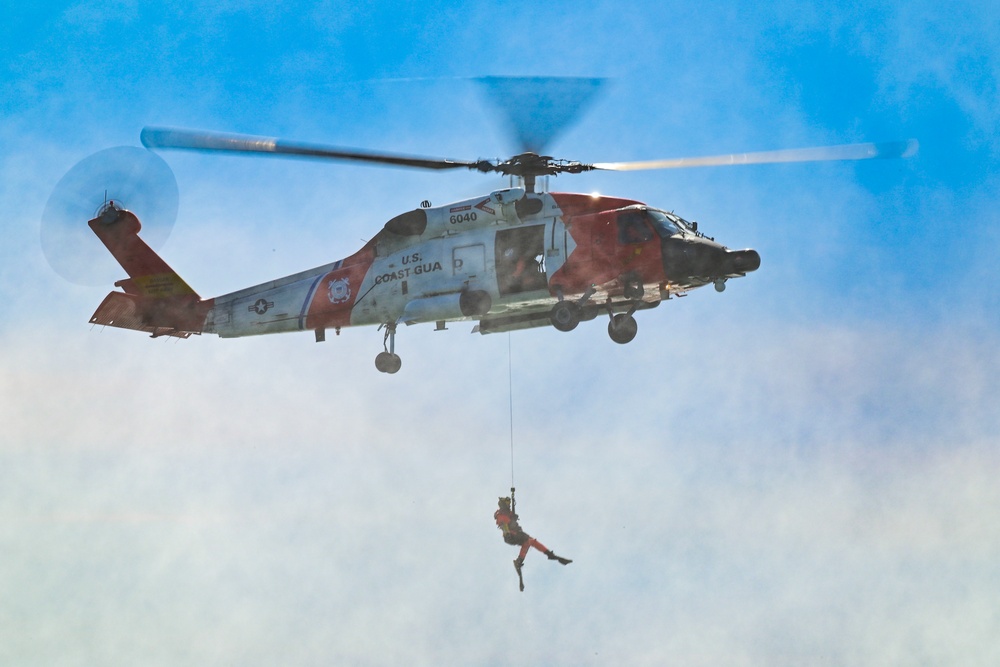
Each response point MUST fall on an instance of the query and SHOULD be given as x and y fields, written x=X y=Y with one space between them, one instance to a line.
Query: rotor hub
x=532 y=164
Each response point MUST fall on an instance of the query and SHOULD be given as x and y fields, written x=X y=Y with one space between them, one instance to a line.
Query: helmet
x=504 y=500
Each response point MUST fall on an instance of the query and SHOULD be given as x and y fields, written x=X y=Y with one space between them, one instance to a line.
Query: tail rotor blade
x=135 y=179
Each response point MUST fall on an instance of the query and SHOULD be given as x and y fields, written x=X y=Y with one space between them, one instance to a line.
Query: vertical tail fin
x=156 y=299
x=149 y=276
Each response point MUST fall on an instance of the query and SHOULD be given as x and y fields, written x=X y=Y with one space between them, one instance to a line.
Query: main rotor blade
x=538 y=109
x=157 y=137
x=870 y=151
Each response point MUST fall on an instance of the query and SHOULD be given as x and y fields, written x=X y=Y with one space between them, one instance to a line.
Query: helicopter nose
x=742 y=261
x=686 y=260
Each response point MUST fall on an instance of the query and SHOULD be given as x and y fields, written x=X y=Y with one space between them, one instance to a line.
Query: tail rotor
x=124 y=177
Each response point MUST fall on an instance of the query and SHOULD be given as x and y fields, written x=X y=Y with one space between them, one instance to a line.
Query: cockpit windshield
x=634 y=223
x=667 y=224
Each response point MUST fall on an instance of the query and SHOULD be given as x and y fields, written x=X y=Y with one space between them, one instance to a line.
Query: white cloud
x=739 y=507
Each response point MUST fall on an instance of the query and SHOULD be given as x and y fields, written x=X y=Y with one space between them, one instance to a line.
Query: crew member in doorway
x=506 y=520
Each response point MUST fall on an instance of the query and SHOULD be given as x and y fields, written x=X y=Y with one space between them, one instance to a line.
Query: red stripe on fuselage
x=338 y=291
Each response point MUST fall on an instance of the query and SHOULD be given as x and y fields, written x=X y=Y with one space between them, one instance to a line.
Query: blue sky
x=799 y=470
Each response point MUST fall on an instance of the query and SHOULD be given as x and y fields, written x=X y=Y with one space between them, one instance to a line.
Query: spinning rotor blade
x=538 y=109
x=527 y=165
x=154 y=137
x=870 y=151
x=135 y=179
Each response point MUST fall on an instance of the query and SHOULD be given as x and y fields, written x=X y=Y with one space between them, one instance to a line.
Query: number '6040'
x=462 y=217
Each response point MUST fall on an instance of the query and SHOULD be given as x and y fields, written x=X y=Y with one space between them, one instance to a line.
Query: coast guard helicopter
x=515 y=258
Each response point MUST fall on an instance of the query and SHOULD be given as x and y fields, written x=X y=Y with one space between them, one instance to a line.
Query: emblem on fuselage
x=339 y=290
x=261 y=306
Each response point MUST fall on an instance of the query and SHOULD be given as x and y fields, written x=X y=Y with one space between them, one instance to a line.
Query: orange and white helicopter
x=515 y=258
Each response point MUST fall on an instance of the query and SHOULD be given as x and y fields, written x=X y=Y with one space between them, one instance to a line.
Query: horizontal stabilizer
x=126 y=311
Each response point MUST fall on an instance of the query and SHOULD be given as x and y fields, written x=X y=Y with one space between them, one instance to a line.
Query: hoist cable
x=510 y=403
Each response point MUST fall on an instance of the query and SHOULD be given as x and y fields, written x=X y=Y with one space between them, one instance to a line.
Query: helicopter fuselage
x=508 y=260
x=487 y=258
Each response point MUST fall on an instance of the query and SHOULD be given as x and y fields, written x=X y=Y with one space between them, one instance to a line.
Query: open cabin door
x=520 y=259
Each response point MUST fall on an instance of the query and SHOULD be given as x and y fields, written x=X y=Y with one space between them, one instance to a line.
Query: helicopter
x=515 y=258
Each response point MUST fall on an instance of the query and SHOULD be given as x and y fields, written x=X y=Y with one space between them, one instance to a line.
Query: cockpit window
x=667 y=224
x=632 y=227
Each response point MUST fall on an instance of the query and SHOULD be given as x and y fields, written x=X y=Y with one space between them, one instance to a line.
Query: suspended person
x=506 y=520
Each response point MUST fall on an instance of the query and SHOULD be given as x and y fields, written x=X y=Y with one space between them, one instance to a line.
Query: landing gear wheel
x=720 y=285
x=388 y=362
x=622 y=328
x=565 y=315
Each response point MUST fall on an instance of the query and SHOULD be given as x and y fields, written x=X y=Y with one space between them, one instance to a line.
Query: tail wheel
x=622 y=328
x=565 y=315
